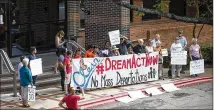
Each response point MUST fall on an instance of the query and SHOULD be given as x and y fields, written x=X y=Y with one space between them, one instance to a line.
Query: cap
x=114 y=48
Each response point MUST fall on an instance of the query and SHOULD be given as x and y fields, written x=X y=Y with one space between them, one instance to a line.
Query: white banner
x=196 y=67
x=164 y=52
x=31 y=93
x=36 y=66
x=179 y=58
x=114 y=71
x=114 y=37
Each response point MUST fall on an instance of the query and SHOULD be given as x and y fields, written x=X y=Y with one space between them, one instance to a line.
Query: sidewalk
x=49 y=98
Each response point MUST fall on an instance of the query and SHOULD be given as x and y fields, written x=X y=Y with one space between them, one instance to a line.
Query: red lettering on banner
x=143 y=59
x=124 y=64
x=119 y=64
x=107 y=61
x=155 y=59
x=114 y=62
x=129 y=65
x=148 y=60
x=138 y=62
x=133 y=61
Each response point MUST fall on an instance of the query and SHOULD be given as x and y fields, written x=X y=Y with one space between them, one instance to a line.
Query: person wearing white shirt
x=156 y=40
x=19 y=67
x=176 y=47
x=149 y=48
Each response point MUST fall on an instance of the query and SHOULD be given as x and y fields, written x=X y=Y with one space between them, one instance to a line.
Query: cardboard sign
x=169 y=87
x=164 y=52
x=114 y=37
x=36 y=66
x=31 y=93
x=179 y=58
x=196 y=67
x=102 y=72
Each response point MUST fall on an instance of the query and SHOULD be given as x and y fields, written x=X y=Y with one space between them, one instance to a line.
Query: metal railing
x=4 y=59
x=73 y=45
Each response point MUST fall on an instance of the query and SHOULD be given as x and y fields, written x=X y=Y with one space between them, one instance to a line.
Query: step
x=9 y=80
x=8 y=88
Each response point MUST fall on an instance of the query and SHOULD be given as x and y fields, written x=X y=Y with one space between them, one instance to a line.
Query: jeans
x=160 y=71
x=177 y=69
x=62 y=74
x=34 y=79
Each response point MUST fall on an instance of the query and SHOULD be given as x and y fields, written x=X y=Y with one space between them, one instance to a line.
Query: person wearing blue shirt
x=25 y=81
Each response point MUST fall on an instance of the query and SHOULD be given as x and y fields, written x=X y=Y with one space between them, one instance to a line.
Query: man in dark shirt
x=140 y=48
x=123 y=46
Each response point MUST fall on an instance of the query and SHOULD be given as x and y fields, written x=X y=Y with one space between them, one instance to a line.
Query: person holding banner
x=107 y=52
x=195 y=52
x=90 y=52
x=149 y=47
x=176 y=47
x=160 y=61
x=25 y=81
x=156 y=40
x=140 y=48
x=115 y=51
x=78 y=53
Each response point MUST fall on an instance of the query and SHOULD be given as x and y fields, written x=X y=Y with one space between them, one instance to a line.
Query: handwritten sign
x=114 y=71
x=36 y=66
x=31 y=93
x=196 y=67
x=114 y=37
x=179 y=58
x=164 y=52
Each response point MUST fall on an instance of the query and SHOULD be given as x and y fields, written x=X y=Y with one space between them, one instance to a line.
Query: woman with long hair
x=59 y=45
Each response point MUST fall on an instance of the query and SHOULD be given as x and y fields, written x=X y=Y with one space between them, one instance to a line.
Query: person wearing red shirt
x=71 y=100
x=90 y=52
x=78 y=53
x=67 y=69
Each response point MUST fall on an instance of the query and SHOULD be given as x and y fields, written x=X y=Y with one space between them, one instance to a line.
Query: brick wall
x=105 y=16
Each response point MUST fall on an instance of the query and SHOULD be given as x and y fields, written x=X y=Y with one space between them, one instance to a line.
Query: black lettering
x=94 y=82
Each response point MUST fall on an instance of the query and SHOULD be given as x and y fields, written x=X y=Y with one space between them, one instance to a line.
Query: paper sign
x=169 y=87
x=136 y=94
x=36 y=66
x=31 y=93
x=114 y=37
x=125 y=99
x=164 y=52
x=179 y=58
x=196 y=67
x=153 y=91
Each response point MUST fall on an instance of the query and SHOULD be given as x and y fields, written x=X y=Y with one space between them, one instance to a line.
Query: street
x=192 y=97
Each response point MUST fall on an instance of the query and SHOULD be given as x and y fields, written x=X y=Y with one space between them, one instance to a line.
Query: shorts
x=67 y=78
x=24 y=92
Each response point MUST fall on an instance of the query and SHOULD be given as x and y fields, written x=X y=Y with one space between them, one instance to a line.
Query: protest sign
x=114 y=71
x=179 y=58
x=114 y=37
x=164 y=52
x=196 y=67
x=36 y=66
x=31 y=93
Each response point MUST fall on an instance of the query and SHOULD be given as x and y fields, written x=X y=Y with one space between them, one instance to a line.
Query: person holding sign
x=25 y=81
x=176 y=47
x=195 y=52
x=71 y=100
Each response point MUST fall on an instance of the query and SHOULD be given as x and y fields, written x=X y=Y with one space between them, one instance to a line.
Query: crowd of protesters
x=64 y=61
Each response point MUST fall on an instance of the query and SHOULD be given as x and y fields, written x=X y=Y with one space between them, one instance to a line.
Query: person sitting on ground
x=123 y=46
x=115 y=51
x=78 y=53
x=25 y=81
x=71 y=100
x=195 y=52
x=19 y=67
x=90 y=52
x=149 y=47
x=139 y=48
x=156 y=40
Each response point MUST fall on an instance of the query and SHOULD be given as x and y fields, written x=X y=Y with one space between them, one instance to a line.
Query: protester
x=71 y=100
x=195 y=52
x=183 y=42
x=149 y=47
x=32 y=56
x=160 y=61
x=78 y=53
x=59 y=45
x=19 y=67
x=115 y=51
x=107 y=52
x=176 y=47
x=123 y=46
x=62 y=53
x=25 y=81
x=156 y=40
x=90 y=52
x=140 y=48
x=130 y=50
x=68 y=70
x=97 y=52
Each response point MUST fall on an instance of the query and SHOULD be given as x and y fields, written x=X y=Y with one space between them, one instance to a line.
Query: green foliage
x=140 y=13
x=207 y=53
x=160 y=5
